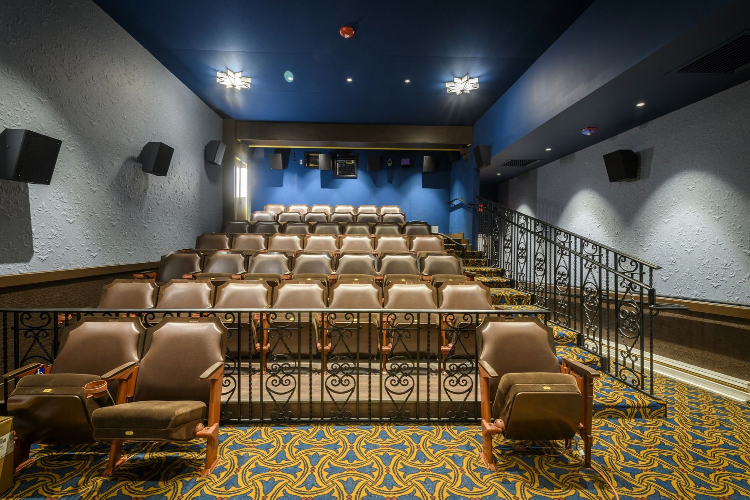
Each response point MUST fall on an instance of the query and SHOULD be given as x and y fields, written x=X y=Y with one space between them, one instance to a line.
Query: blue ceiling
x=426 y=42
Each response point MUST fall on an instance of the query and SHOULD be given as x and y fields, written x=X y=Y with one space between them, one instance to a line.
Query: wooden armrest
x=189 y=276
x=21 y=372
x=216 y=371
x=148 y=275
x=485 y=370
x=121 y=372
x=470 y=275
x=580 y=368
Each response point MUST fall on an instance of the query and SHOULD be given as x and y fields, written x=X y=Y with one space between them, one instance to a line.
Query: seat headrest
x=129 y=294
x=517 y=345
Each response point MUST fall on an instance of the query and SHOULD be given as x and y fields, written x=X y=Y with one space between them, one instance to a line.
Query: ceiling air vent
x=729 y=58
x=518 y=163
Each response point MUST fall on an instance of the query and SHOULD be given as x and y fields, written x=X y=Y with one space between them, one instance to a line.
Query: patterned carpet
x=701 y=451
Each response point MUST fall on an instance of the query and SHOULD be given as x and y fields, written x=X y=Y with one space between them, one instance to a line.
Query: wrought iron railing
x=311 y=365
x=606 y=296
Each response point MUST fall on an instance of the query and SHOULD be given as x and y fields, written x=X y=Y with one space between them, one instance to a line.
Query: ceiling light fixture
x=548 y=149
x=462 y=85
x=233 y=80
x=349 y=80
x=288 y=76
x=588 y=130
x=640 y=104
x=499 y=173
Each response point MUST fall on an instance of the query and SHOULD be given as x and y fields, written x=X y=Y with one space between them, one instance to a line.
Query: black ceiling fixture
x=729 y=58
x=518 y=163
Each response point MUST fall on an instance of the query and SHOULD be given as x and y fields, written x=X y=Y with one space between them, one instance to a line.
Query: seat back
x=386 y=228
x=355 y=296
x=212 y=241
x=175 y=264
x=468 y=295
x=326 y=209
x=353 y=263
x=235 y=226
x=417 y=227
x=300 y=209
x=270 y=263
x=277 y=209
x=297 y=295
x=313 y=263
x=355 y=243
x=410 y=295
x=391 y=244
x=242 y=294
x=98 y=345
x=390 y=209
x=251 y=242
x=398 y=264
x=266 y=227
x=341 y=217
x=393 y=218
x=435 y=263
x=349 y=209
x=367 y=209
x=285 y=243
x=357 y=228
x=296 y=228
x=327 y=228
x=368 y=218
x=129 y=294
x=316 y=217
x=263 y=216
x=321 y=243
x=407 y=333
x=186 y=294
x=289 y=217
x=427 y=244
x=225 y=263
x=176 y=353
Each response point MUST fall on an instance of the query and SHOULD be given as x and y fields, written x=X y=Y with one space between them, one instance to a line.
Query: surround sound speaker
x=215 y=152
x=483 y=155
x=27 y=156
x=622 y=165
x=324 y=162
x=373 y=163
x=277 y=162
x=156 y=157
x=428 y=164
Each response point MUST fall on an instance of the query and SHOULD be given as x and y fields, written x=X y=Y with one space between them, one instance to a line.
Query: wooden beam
x=12 y=280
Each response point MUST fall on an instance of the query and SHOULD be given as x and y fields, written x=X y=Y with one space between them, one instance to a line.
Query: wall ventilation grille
x=518 y=163
x=730 y=58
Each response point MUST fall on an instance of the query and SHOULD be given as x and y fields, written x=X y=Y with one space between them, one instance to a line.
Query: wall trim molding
x=22 y=279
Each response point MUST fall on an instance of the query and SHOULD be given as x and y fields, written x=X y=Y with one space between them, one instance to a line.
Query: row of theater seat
x=337 y=209
x=261 y=216
x=274 y=266
x=326 y=227
x=320 y=242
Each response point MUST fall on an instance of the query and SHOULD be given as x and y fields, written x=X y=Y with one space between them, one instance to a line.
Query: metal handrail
x=462 y=201
x=455 y=242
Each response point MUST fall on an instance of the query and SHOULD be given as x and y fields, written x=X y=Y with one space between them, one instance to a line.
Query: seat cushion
x=149 y=420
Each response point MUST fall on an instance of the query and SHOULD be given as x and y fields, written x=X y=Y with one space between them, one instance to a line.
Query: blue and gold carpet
x=702 y=450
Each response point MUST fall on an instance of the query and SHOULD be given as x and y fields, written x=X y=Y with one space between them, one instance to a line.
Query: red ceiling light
x=346 y=31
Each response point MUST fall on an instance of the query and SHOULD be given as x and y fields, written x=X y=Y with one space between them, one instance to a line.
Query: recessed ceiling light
x=349 y=80
x=499 y=173
x=641 y=104
x=288 y=76
x=407 y=81
x=548 y=149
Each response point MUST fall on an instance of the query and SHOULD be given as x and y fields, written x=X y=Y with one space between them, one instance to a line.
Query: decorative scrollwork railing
x=606 y=296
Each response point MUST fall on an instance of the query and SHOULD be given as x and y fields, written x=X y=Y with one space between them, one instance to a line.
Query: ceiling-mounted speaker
x=215 y=152
x=483 y=155
x=428 y=165
x=622 y=165
x=277 y=162
x=324 y=162
x=27 y=156
x=373 y=163
x=156 y=157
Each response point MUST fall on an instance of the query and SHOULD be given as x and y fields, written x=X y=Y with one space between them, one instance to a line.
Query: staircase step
x=473 y=254
x=509 y=296
x=496 y=282
x=473 y=261
x=455 y=236
x=564 y=337
x=490 y=272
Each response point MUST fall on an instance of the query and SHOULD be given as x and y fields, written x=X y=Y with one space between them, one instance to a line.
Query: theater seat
x=221 y=266
x=344 y=209
x=355 y=243
x=398 y=267
x=173 y=266
x=427 y=244
x=391 y=244
x=367 y=209
x=405 y=335
x=321 y=243
x=356 y=264
x=266 y=227
x=172 y=400
x=270 y=267
x=459 y=328
x=417 y=227
x=288 y=243
x=358 y=228
x=326 y=209
x=526 y=394
x=296 y=228
x=277 y=209
x=368 y=218
x=341 y=217
x=327 y=228
x=313 y=265
x=212 y=241
x=383 y=228
x=128 y=294
x=441 y=268
x=55 y=408
x=390 y=209
x=263 y=216
x=393 y=218
x=186 y=294
x=235 y=227
x=300 y=209
x=249 y=243
x=316 y=217
x=289 y=217
x=235 y=294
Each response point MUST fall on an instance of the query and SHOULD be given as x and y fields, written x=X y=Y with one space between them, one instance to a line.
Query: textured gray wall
x=690 y=210
x=69 y=71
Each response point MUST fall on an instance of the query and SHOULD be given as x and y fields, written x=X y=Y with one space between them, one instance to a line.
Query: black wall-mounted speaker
x=428 y=164
x=277 y=162
x=622 y=165
x=324 y=162
x=483 y=155
x=373 y=163
x=156 y=157
x=215 y=152
x=27 y=156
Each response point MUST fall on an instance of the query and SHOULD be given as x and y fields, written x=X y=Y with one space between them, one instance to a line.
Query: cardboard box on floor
x=6 y=454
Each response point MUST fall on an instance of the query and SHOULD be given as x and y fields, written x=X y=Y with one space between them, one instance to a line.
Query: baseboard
x=719 y=383
x=12 y=280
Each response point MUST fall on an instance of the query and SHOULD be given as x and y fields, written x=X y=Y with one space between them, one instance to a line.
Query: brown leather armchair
x=221 y=266
x=239 y=295
x=173 y=266
x=526 y=394
x=55 y=408
x=129 y=294
x=404 y=334
x=172 y=400
x=213 y=241
x=441 y=268
x=458 y=328
x=321 y=243
x=271 y=267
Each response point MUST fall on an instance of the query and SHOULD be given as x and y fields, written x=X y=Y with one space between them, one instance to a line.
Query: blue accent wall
x=465 y=185
x=421 y=196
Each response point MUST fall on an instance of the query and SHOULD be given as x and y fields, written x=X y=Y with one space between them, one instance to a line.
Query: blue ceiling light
x=288 y=76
